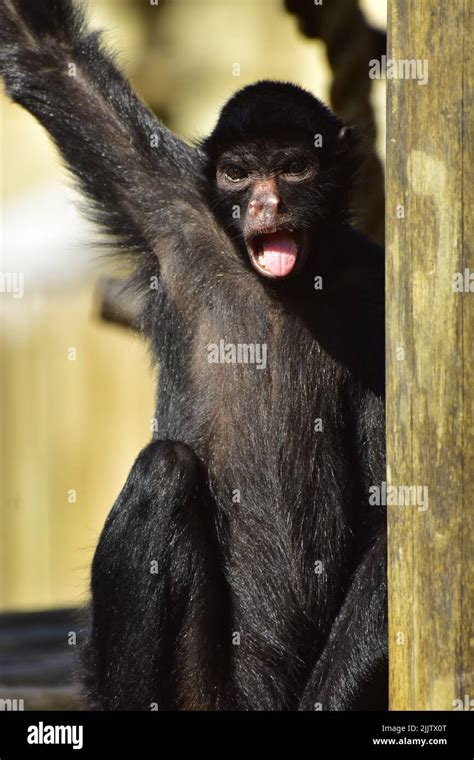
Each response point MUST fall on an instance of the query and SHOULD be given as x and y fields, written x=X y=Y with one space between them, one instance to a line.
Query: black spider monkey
x=241 y=566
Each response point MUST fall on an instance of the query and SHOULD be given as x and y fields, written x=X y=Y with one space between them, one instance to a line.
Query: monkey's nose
x=264 y=205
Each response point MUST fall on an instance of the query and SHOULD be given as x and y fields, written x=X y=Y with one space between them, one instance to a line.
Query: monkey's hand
x=34 y=35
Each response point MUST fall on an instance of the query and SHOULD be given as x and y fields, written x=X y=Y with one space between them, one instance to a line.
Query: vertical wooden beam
x=430 y=361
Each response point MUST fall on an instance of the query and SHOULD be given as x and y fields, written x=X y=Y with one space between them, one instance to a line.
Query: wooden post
x=430 y=359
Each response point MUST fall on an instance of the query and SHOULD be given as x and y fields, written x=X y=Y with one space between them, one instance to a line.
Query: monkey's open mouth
x=274 y=254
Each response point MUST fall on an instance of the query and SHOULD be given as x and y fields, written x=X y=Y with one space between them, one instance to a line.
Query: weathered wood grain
x=430 y=370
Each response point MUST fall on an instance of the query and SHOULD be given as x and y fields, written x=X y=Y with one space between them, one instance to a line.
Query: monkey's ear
x=345 y=131
x=348 y=137
x=351 y=147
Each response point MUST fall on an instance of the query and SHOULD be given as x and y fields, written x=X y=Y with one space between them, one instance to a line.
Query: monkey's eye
x=234 y=173
x=297 y=166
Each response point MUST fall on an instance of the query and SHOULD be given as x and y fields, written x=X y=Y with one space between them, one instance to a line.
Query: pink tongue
x=279 y=253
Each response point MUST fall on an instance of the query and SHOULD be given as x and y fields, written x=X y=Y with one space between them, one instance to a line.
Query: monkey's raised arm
x=138 y=175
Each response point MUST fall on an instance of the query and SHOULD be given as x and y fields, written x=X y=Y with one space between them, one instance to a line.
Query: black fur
x=227 y=568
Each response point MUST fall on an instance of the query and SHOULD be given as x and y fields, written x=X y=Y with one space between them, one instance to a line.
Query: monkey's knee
x=166 y=470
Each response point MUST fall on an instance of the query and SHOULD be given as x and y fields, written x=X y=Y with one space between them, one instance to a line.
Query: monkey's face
x=270 y=196
x=279 y=166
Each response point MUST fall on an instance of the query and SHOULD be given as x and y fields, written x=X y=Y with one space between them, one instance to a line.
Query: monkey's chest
x=274 y=415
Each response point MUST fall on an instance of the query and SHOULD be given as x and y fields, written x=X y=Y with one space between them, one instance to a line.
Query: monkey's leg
x=351 y=673
x=159 y=623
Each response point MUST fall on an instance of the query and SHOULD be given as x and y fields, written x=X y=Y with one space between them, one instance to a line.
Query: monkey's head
x=279 y=166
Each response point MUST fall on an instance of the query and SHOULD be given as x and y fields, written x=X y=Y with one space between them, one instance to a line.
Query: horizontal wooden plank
x=37 y=665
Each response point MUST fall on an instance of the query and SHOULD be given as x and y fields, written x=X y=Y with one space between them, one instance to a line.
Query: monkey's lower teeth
x=261 y=261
